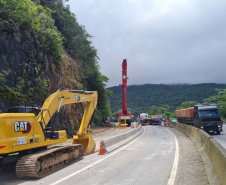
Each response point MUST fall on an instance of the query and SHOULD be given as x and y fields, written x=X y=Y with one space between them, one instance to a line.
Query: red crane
x=124 y=113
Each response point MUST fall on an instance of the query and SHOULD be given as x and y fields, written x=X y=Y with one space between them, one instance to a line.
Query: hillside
x=142 y=97
x=43 y=48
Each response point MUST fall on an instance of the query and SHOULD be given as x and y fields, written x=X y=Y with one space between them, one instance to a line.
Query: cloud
x=176 y=41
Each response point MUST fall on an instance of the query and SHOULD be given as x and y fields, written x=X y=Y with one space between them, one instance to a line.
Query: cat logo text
x=22 y=126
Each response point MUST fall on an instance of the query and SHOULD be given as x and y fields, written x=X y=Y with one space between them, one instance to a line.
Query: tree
x=164 y=111
x=187 y=104
x=220 y=100
x=77 y=43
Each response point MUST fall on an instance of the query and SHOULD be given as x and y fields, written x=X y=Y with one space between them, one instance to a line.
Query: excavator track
x=47 y=161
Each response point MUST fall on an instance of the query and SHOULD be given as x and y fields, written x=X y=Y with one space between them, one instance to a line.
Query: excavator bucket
x=87 y=142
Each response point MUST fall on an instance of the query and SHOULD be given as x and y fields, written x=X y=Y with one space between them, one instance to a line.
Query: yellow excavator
x=31 y=140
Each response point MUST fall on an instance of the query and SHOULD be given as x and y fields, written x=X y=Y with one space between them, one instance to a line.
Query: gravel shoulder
x=190 y=169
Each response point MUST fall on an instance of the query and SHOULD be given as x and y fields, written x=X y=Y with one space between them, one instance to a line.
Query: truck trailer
x=204 y=116
x=155 y=119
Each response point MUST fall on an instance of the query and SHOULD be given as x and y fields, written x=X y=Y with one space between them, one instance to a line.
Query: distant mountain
x=142 y=97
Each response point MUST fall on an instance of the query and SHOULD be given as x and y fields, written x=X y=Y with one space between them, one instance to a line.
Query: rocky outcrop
x=29 y=74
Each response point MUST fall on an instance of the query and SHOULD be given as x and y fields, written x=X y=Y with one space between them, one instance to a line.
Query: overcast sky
x=164 y=41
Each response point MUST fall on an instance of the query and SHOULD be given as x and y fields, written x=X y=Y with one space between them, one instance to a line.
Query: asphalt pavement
x=222 y=137
x=148 y=159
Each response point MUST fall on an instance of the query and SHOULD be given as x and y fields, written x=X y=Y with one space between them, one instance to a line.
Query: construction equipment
x=124 y=113
x=24 y=138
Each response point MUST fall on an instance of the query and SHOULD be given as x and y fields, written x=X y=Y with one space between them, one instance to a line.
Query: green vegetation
x=50 y=29
x=77 y=43
x=187 y=104
x=18 y=17
x=25 y=15
x=164 y=111
x=220 y=100
x=165 y=99
x=142 y=97
x=22 y=91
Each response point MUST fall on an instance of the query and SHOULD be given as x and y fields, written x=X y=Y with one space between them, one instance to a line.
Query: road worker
x=166 y=123
x=160 y=122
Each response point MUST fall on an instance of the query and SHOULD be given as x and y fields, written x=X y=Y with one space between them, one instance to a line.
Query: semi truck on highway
x=204 y=116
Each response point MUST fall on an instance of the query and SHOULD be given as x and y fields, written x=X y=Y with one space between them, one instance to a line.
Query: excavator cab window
x=23 y=109
x=12 y=110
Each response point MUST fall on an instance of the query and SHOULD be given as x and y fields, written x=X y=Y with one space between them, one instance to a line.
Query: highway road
x=151 y=158
x=222 y=137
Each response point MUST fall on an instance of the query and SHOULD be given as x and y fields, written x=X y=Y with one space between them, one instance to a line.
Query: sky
x=164 y=41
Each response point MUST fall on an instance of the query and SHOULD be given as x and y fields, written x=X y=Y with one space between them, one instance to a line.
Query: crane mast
x=124 y=114
x=124 y=87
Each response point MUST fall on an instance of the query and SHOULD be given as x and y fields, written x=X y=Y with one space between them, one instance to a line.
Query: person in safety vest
x=166 y=123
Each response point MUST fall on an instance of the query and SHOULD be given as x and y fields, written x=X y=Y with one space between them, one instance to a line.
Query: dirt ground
x=95 y=131
x=99 y=130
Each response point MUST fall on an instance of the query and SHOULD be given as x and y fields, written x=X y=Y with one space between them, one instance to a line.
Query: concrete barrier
x=115 y=142
x=214 y=152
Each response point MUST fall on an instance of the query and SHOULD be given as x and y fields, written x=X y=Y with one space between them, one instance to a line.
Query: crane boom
x=124 y=114
x=124 y=87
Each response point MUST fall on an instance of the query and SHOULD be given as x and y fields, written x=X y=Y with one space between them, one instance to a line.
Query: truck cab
x=207 y=116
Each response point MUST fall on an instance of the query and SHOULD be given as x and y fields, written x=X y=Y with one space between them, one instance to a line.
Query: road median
x=112 y=143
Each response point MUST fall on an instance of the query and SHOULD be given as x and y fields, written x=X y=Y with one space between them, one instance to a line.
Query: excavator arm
x=60 y=98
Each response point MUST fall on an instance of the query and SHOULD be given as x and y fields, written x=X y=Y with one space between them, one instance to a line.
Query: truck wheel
x=218 y=132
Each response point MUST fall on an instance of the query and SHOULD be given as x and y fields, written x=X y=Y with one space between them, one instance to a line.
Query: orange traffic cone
x=101 y=152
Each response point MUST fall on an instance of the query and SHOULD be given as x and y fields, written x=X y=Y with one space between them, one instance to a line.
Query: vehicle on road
x=205 y=116
x=145 y=119
x=143 y=116
x=154 y=119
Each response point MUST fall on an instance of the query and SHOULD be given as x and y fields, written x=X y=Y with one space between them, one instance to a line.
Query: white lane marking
x=91 y=165
x=175 y=163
